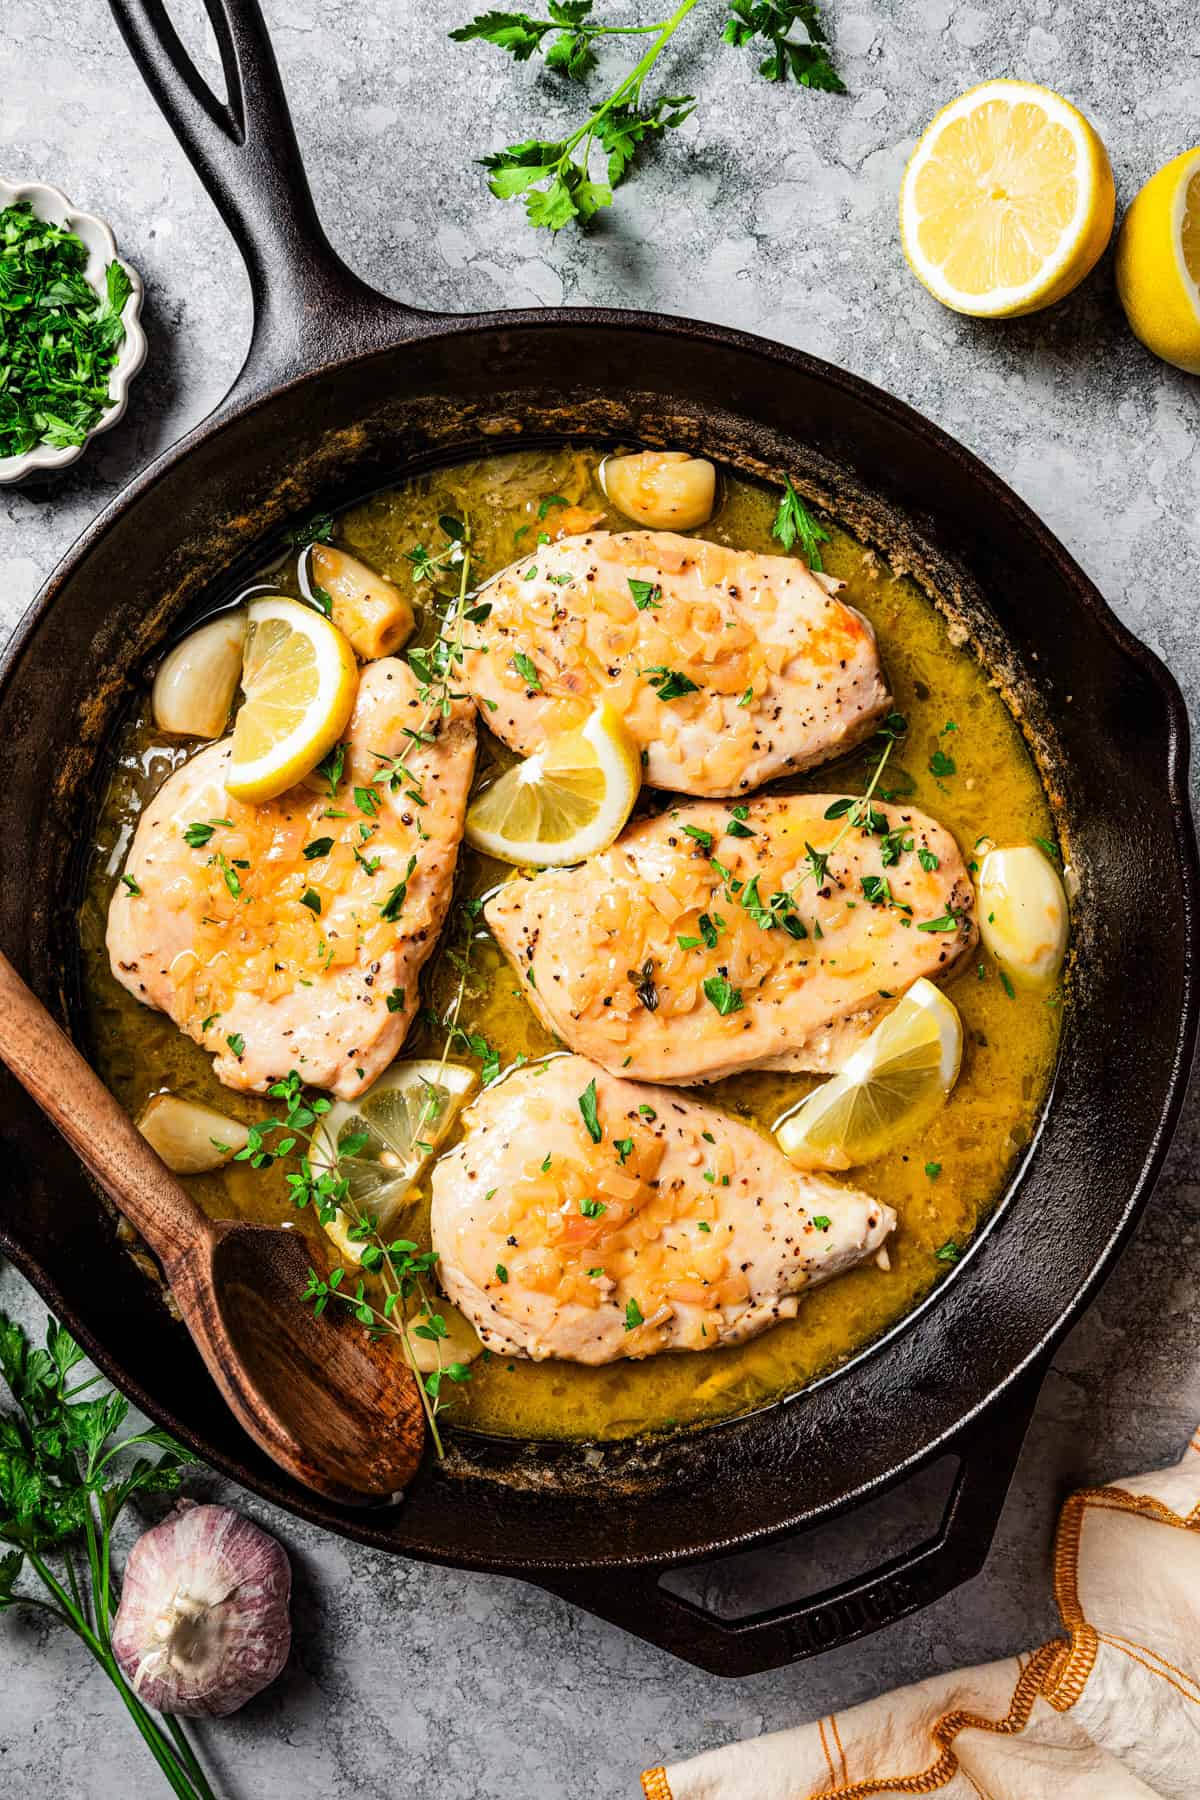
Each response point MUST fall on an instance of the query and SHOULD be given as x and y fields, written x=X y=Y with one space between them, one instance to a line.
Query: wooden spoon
x=336 y=1410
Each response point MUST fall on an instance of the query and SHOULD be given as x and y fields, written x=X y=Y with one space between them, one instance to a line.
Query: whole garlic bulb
x=203 y=1622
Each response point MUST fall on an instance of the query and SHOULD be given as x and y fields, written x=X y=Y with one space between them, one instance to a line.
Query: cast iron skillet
x=344 y=390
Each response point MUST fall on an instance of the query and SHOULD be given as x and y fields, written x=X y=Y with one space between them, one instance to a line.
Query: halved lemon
x=391 y=1133
x=300 y=680
x=891 y=1086
x=1158 y=263
x=1007 y=201
x=567 y=801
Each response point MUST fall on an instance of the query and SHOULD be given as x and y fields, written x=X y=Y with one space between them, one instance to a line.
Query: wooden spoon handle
x=98 y=1129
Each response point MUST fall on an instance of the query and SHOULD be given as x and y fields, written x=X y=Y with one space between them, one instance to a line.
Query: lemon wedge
x=1007 y=201
x=392 y=1132
x=1158 y=263
x=891 y=1086
x=567 y=801
x=300 y=680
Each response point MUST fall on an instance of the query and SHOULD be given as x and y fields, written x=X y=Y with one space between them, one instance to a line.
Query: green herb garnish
x=63 y=1486
x=793 y=520
x=59 y=340
x=555 y=176
x=670 y=684
x=527 y=670
x=646 y=595
x=587 y=1106
x=721 y=993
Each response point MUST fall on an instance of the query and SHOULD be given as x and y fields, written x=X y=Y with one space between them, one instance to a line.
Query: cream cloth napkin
x=1110 y=1711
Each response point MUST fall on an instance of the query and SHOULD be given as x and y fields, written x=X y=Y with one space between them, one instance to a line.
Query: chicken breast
x=291 y=935
x=590 y=1219
x=729 y=668
x=713 y=938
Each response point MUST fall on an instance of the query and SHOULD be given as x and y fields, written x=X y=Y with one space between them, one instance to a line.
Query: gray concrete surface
x=773 y=210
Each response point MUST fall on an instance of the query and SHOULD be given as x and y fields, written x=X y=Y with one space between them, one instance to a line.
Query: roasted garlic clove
x=665 y=490
x=196 y=681
x=191 y=1139
x=370 y=610
x=1023 y=916
x=459 y=1345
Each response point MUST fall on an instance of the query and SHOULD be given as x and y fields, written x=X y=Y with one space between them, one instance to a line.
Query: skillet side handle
x=308 y=306
x=750 y=1645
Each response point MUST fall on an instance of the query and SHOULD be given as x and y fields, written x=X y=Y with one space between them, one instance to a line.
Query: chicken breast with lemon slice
x=716 y=938
x=727 y=667
x=591 y=1219
x=290 y=935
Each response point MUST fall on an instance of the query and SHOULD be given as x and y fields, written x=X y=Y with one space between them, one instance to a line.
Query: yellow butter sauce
x=942 y=1185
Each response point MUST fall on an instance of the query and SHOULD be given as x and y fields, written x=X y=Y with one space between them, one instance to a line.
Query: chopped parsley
x=527 y=670
x=670 y=684
x=317 y=848
x=592 y=1209
x=633 y=1315
x=933 y=1170
x=395 y=1000
x=646 y=595
x=947 y=922
x=131 y=884
x=59 y=340
x=236 y=1042
x=587 y=1106
x=721 y=993
x=501 y=1272
x=393 y=906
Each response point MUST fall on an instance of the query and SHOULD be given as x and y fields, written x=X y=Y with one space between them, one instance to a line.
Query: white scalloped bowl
x=51 y=204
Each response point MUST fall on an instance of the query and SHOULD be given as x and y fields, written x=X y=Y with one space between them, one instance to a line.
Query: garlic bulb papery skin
x=203 y=1623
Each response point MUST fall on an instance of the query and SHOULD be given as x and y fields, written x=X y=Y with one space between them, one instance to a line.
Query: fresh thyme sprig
x=554 y=176
x=319 y=1181
x=783 y=908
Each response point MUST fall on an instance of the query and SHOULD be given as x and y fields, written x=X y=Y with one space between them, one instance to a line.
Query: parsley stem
x=631 y=87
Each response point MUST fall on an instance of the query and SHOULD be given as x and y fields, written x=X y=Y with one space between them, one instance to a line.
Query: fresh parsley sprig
x=565 y=37
x=63 y=1486
x=554 y=176
x=808 y=63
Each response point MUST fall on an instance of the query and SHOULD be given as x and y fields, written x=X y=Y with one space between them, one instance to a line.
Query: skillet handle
x=309 y=307
x=749 y=1645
